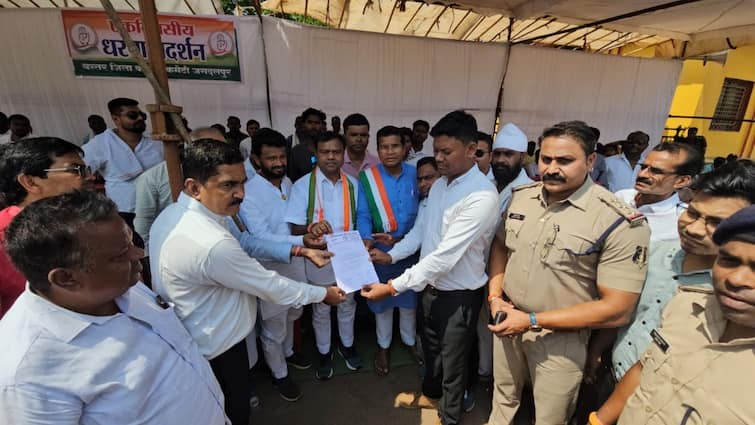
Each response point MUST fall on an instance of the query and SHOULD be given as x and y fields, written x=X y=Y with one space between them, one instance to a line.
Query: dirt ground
x=355 y=398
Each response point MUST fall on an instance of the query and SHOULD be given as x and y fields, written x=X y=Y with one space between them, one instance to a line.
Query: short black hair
x=31 y=157
x=422 y=123
x=201 y=158
x=597 y=133
x=577 y=130
x=60 y=218
x=19 y=117
x=718 y=161
x=732 y=180
x=641 y=134
x=312 y=111
x=355 y=119
x=427 y=160
x=95 y=117
x=252 y=121
x=390 y=130
x=485 y=137
x=267 y=137
x=327 y=136
x=115 y=105
x=457 y=124
x=3 y=117
x=694 y=162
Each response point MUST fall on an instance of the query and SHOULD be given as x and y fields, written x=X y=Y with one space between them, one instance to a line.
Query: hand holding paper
x=351 y=261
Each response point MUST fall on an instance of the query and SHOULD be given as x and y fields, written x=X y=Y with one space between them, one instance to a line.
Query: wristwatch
x=534 y=327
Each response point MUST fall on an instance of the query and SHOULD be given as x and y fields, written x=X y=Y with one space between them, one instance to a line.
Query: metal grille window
x=732 y=104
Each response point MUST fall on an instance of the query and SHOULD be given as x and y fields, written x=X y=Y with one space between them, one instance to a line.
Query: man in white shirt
x=454 y=235
x=252 y=127
x=509 y=153
x=263 y=212
x=327 y=198
x=199 y=265
x=483 y=154
x=121 y=154
x=20 y=128
x=91 y=344
x=622 y=169
x=153 y=193
x=668 y=167
x=419 y=149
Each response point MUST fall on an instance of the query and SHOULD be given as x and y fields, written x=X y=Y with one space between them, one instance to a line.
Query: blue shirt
x=663 y=279
x=403 y=195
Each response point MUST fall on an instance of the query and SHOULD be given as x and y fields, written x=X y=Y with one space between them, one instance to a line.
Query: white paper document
x=351 y=262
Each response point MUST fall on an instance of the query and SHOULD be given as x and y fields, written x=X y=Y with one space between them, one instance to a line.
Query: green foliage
x=229 y=7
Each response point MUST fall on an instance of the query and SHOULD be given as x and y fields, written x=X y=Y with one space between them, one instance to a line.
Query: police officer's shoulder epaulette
x=699 y=289
x=526 y=186
x=633 y=216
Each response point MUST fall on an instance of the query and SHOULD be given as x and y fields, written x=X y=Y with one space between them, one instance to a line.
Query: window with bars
x=732 y=105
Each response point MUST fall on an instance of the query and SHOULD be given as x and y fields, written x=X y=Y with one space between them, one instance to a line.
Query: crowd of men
x=615 y=289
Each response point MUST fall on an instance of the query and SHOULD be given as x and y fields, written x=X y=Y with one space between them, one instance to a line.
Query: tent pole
x=158 y=79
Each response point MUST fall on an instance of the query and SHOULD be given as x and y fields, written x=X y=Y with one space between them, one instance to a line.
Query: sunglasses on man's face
x=134 y=115
x=480 y=153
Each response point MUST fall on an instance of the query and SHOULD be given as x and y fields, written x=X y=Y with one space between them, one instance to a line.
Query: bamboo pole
x=157 y=76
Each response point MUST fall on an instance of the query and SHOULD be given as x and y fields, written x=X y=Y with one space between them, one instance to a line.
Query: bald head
x=207 y=133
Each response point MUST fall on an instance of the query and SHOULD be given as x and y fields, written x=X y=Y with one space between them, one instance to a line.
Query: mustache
x=644 y=180
x=553 y=177
x=236 y=202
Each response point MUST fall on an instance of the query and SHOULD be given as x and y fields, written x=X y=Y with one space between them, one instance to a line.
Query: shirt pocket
x=569 y=253
x=512 y=229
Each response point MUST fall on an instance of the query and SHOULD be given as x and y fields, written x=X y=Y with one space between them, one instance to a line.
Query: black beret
x=740 y=226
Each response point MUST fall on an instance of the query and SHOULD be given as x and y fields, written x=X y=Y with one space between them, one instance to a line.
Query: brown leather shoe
x=416 y=356
x=409 y=400
x=382 y=362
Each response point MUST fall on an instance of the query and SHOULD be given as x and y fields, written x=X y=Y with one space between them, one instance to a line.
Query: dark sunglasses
x=134 y=115
x=80 y=169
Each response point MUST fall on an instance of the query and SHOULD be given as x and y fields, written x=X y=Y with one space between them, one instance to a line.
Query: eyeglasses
x=133 y=115
x=80 y=169
x=656 y=171
x=480 y=153
x=691 y=215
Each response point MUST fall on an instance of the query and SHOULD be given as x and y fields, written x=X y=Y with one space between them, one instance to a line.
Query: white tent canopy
x=189 y=7
x=687 y=29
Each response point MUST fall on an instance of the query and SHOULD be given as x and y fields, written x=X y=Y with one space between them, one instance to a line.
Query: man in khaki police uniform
x=570 y=257
x=699 y=367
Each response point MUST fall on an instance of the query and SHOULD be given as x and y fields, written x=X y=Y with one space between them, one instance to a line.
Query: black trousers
x=232 y=370
x=448 y=320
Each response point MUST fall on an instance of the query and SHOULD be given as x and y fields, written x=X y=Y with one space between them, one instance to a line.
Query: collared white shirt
x=456 y=229
x=198 y=265
x=137 y=366
x=120 y=166
x=331 y=194
x=263 y=212
x=504 y=198
x=427 y=150
x=662 y=216
x=245 y=146
x=619 y=172
x=5 y=138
